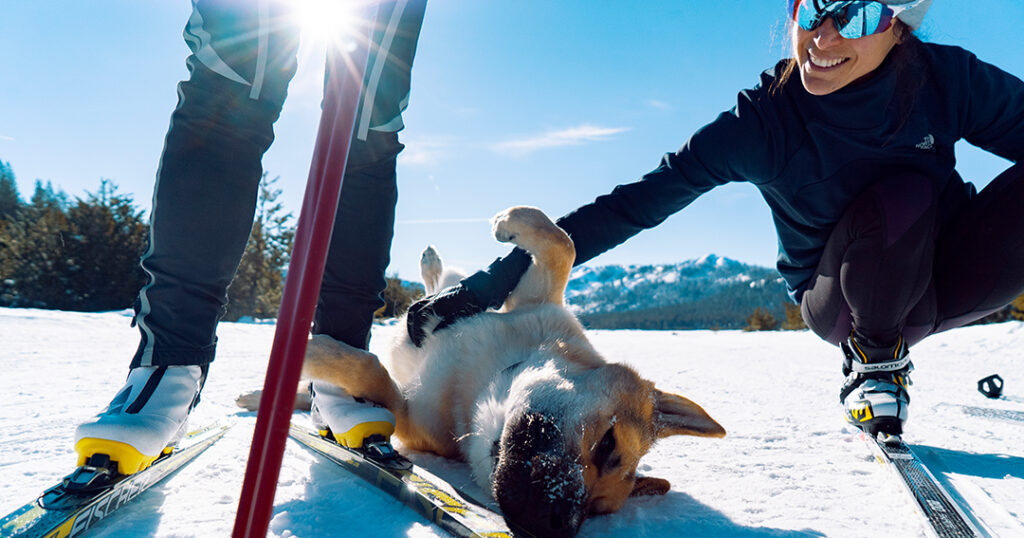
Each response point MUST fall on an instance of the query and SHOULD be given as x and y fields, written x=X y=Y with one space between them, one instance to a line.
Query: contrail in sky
x=441 y=221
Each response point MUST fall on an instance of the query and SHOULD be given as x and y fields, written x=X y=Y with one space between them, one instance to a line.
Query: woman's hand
x=446 y=306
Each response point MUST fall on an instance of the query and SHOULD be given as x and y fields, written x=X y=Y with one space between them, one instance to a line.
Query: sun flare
x=331 y=21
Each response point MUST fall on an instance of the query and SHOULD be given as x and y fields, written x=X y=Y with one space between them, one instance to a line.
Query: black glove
x=448 y=305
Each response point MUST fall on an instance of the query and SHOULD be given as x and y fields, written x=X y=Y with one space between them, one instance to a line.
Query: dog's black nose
x=538 y=485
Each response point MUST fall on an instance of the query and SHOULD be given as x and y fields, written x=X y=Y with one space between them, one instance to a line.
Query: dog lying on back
x=550 y=428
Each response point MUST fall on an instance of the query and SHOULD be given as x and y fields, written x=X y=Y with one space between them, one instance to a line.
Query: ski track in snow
x=789 y=466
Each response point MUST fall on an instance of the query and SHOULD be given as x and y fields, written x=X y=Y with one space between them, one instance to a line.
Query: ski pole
x=302 y=285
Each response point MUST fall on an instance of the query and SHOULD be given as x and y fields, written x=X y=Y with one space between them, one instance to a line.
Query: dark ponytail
x=911 y=76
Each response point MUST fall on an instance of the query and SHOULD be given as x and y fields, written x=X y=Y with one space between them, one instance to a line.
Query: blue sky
x=539 y=102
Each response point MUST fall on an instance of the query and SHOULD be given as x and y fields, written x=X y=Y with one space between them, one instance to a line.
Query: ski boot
x=354 y=423
x=146 y=418
x=874 y=395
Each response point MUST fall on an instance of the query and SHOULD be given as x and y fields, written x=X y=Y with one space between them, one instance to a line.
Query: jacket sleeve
x=734 y=147
x=993 y=115
x=737 y=146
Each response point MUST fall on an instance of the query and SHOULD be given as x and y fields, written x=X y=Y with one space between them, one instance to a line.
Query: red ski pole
x=302 y=285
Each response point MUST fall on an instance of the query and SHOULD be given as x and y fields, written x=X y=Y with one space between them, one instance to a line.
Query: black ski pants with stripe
x=896 y=264
x=243 y=58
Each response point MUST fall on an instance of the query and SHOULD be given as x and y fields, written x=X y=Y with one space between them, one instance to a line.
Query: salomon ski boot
x=144 y=420
x=874 y=395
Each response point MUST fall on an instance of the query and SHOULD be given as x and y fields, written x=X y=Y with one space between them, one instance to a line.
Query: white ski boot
x=349 y=421
x=874 y=395
x=144 y=420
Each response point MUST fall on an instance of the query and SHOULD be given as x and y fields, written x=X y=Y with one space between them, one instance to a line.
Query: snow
x=789 y=466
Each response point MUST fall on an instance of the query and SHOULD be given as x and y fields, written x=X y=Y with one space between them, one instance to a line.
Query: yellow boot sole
x=129 y=460
x=354 y=438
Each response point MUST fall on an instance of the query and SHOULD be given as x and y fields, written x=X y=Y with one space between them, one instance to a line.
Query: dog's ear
x=675 y=415
x=648 y=485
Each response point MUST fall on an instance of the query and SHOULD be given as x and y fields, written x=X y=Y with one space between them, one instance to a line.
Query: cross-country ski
x=436 y=500
x=93 y=492
x=944 y=516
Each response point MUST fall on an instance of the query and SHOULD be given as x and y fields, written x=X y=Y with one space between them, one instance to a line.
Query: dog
x=550 y=428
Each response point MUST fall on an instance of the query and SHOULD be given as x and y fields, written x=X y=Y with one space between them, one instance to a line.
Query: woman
x=851 y=144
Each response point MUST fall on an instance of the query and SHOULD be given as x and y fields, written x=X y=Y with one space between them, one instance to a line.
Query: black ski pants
x=243 y=58
x=897 y=265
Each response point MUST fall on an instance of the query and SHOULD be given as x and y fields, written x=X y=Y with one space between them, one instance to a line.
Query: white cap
x=915 y=10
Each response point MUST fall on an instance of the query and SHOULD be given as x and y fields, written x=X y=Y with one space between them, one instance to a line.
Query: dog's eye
x=604 y=453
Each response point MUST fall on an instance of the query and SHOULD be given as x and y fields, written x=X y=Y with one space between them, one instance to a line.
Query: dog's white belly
x=454 y=383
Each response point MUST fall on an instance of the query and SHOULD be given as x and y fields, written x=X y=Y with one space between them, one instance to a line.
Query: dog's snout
x=543 y=496
x=537 y=482
x=538 y=434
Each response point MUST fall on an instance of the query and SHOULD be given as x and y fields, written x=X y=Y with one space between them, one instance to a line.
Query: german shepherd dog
x=549 y=427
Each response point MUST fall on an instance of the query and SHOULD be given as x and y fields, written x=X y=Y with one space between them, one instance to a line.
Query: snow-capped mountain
x=710 y=292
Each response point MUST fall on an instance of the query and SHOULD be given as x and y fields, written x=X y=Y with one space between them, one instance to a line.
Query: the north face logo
x=927 y=143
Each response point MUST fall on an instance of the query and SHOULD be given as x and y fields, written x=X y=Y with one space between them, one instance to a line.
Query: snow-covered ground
x=789 y=466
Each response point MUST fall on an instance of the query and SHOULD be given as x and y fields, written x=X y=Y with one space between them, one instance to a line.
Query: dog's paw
x=431 y=269
x=250 y=401
x=514 y=224
x=431 y=260
x=502 y=226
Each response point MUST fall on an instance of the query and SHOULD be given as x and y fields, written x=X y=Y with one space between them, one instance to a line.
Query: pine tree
x=46 y=197
x=397 y=298
x=83 y=257
x=794 y=319
x=10 y=199
x=10 y=209
x=1017 y=308
x=761 y=320
x=108 y=236
x=259 y=282
x=35 y=265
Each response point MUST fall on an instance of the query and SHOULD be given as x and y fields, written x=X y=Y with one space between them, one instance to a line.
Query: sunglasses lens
x=860 y=19
x=807 y=16
x=853 y=20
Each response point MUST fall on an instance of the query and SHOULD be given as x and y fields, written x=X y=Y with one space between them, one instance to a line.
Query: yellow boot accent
x=354 y=437
x=129 y=460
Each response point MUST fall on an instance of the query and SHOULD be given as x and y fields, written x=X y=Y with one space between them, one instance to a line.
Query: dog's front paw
x=503 y=226
x=512 y=224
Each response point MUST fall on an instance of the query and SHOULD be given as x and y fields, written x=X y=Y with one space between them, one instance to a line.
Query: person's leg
x=361 y=242
x=363 y=229
x=872 y=285
x=875 y=272
x=360 y=246
x=243 y=56
x=979 y=258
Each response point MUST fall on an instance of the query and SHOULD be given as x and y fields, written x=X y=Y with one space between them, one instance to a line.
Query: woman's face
x=828 y=61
